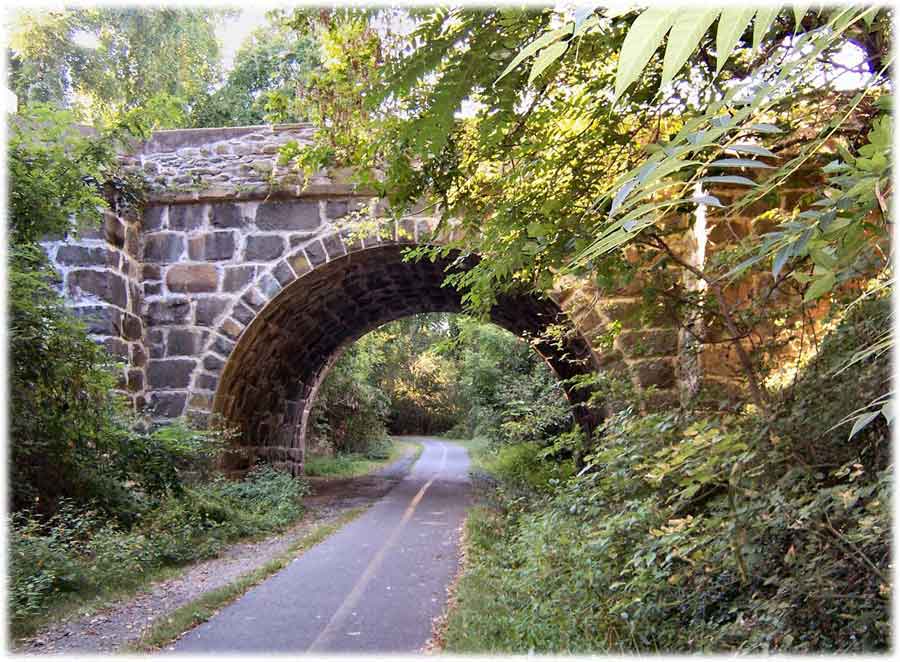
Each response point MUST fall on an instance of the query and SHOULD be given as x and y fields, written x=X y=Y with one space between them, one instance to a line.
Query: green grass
x=351 y=465
x=167 y=628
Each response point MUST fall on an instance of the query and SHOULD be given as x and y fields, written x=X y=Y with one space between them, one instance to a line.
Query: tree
x=270 y=70
x=586 y=145
x=106 y=62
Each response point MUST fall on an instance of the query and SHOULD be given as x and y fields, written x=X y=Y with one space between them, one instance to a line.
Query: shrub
x=80 y=550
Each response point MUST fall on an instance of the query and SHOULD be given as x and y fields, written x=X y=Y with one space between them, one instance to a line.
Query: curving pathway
x=374 y=586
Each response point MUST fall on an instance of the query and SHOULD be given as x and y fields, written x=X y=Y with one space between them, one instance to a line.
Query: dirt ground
x=108 y=629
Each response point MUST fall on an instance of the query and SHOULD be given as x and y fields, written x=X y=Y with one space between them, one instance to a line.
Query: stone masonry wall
x=100 y=276
x=228 y=230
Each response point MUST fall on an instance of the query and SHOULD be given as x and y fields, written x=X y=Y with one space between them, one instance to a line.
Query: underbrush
x=80 y=553
x=346 y=465
x=692 y=533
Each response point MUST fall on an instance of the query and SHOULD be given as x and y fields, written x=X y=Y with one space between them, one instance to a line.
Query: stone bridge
x=238 y=286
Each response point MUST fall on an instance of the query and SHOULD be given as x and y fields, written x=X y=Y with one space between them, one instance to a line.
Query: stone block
x=288 y=215
x=117 y=347
x=138 y=356
x=202 y=401
x=106 y=285
x=167 y=405
x=187 y=216
x=334 y=209
x=316 y=253
x=223 y=346
x=213 y=363
x=254 y=299
x=212 y=246
x=300 y=263
x=153 y=218
x=171 y=311
x=334 y=246
x=237 y=278
x=114 y=230
x=192 y=278
x=184 y=342
x=300 y=238
x=661 y=342
x=132 y=328
x=283 y=273
x=242 y=313
x=229 y=215
x=262 y=248
x=133 y=240
x=231 y=329
x=170 y=373
x=658 y=372
x=208 y=382
x=152 y=289
x=135 y=380
x=269 y=286
x=151 y=272
x=163 y=247
x=209 y=309
x=87 y=256
x=100 y=320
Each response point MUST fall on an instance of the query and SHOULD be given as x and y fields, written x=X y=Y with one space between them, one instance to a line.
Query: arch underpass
x=269 y=383
x=239 y=282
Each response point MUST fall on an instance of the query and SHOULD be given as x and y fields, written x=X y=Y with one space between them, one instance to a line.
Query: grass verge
x=169 y=627
x=352 y=465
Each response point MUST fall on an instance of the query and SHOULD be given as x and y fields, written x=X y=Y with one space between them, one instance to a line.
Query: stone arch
x=266 y=359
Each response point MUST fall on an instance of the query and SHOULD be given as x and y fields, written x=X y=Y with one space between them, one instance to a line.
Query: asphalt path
x=373 y=587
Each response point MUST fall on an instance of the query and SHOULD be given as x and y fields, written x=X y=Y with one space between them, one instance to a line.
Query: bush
x=380 y=448
x=522 y=466
x=79 y=550
x=726 y=533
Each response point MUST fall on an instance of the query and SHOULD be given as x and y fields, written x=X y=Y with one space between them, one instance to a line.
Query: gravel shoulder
x=107 y=629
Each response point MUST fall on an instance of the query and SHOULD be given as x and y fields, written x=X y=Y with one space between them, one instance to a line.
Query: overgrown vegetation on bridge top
x=594 y=141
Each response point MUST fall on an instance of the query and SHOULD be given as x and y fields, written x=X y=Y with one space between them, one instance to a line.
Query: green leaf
x=621 y=194
x=781 y=258
x=541 y=42
x=888 y=412
x=863 y=421
x=547 y=57
x=729 y=179
x=709 y=200
x=763 y=128
x=752 y=149
x=819 y=287
x=799 y=13
x=764 y=18
x=732 y=24
x=688 y=30
x=582 y=17
x=739 y=163
x=640 y=43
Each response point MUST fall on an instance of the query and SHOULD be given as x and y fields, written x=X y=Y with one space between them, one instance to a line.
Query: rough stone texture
x=192 y=278
x=263 y=248
x=288 y=216
x=241 y=283
x=213 y=246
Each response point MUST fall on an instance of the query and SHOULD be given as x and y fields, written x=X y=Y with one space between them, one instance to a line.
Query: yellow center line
x=353 y=597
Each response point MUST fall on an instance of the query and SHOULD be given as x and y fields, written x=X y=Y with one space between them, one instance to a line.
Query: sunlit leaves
x=640 y=44
x=732 y=23
x=690 y=25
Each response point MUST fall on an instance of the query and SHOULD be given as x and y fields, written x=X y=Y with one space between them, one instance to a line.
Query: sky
x=233 y=31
